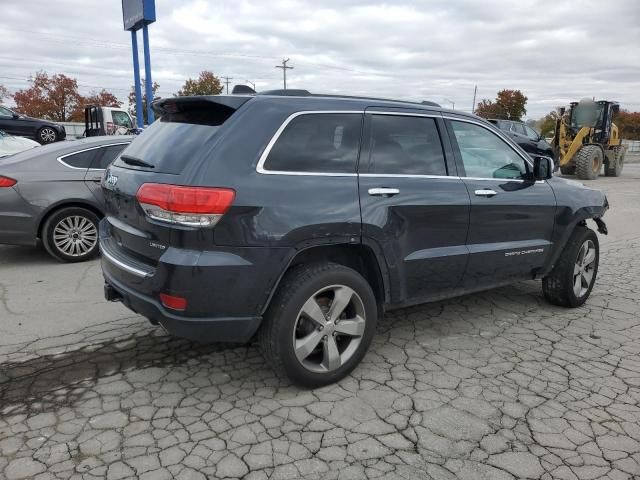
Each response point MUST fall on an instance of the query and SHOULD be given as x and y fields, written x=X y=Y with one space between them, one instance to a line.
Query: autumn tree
x=103 y=98
x=206 y=84
x=4 y=93
x=509 y=104
x=53 y=98
x=629 y=124
x=132 y=102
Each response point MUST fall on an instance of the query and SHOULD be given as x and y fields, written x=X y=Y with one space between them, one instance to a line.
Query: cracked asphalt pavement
x=497 y=385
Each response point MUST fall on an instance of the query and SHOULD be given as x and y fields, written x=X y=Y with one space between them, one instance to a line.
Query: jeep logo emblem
x=111 y=180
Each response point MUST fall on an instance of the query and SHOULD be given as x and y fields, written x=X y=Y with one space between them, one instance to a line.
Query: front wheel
x=71 y=235
x=47 y=135
x=320 y=324
x=570 y=282
x=588 y=162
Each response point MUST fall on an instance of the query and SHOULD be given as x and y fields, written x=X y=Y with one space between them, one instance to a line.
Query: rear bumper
x=200 y=329
x=226 y=289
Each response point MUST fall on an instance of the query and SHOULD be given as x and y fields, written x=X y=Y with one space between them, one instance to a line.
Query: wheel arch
x=360 y=257
x=66 y=204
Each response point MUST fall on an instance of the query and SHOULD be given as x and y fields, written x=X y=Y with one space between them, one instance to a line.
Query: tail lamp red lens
x=7 y=182
x=173 y=302
x=189 y=206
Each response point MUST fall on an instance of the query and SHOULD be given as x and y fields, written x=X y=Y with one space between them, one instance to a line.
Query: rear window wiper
x=138 y=162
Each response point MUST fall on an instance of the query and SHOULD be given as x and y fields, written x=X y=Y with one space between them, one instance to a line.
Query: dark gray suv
x=301 y=218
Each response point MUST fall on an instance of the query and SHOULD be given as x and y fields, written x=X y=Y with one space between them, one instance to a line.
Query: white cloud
x=553 y=51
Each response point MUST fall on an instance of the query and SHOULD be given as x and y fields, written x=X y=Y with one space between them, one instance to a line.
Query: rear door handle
x=486 y=192
x=383 y=192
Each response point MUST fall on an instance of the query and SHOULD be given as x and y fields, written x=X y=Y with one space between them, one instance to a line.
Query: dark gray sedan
x=53 y=194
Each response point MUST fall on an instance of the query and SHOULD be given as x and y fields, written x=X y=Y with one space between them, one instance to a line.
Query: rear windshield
x=173 y=141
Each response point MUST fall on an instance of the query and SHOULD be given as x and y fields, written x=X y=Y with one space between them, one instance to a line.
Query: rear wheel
x=47 y=135
x=570 y=282
x=614 y=167
x=588 y=162
x=568 y=170
x=320 y=324
x=71 y=234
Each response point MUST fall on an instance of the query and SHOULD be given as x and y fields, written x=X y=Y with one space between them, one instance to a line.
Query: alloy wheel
x=75 y=236
x=47 y=135
x=329 y=328
x=584 y=268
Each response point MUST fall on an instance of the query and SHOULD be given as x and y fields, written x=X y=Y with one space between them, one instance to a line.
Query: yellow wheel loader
x=585 y=139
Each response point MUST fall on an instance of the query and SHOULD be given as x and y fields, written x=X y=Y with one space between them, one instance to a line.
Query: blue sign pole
x=136 y=80
x=147 y=73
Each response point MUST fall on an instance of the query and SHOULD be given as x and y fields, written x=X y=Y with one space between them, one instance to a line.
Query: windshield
x=587 y=114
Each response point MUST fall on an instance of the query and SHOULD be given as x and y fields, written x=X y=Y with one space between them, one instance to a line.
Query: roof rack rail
x=287 y=93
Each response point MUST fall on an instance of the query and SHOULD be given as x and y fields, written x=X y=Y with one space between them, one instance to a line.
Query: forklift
x=586 y=138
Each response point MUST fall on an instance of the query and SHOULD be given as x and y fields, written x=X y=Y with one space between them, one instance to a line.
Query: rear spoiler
x=179 y=104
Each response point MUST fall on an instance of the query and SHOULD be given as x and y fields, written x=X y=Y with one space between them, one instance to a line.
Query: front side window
x=121 y=119
x=517 y=128
x=318 y=143
x=531 y=133
x=406 y=145
x=485 y=155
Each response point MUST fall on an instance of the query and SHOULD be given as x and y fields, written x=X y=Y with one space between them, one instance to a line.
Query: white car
x=10 y=144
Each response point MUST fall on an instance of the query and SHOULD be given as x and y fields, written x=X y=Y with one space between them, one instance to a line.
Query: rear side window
x=81 y=159
x=318 y=143
x=173 y=141
x=406 y=145
x=107 y=156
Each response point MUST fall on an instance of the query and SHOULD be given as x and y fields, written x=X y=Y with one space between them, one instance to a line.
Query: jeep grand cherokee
x=299 y=219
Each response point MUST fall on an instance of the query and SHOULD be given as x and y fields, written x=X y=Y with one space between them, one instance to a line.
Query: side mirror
x=542 y=168
x=15 y=116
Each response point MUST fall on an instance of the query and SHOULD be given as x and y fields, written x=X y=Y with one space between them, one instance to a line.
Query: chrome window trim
x=263 y=158
x=59 y=159
x=124 y=266
x=408 y=175
x=498 y=134
x=404 y=114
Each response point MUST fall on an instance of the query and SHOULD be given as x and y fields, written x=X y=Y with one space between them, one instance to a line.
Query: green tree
x=206 y=84
x=547 y=124
x=132 y=102
x=509 y=104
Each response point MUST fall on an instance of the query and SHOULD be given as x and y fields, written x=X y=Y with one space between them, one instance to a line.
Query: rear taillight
x=173 y=302
x=7 y=182
x=189 y=206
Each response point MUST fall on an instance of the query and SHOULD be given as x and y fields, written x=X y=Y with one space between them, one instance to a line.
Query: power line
x=284 y=68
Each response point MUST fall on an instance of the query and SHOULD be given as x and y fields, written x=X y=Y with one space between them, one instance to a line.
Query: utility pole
x=227 y=81
x=473 y=107
x=284 y=68
x=252 y=84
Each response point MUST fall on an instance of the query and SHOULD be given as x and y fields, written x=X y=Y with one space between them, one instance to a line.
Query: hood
x=39 y=120
x=10 y=145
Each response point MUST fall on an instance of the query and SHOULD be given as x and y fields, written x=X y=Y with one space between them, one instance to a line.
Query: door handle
x=383 y=192
x=486 y=192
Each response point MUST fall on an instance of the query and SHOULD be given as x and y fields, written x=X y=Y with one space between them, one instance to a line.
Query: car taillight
x=7 y=182
x=189 y=206
x=173 y=302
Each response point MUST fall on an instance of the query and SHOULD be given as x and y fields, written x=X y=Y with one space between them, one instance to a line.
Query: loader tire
x=568 y=170
x=614 y=169
x=589 y=162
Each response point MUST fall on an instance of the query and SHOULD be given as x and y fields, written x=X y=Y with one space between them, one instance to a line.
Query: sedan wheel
x=71 y=234
x=47 y=135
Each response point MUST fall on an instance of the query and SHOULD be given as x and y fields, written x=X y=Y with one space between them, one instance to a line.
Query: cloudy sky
x=554 y=51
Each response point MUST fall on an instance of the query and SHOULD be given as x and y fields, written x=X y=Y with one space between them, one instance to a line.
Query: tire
x=615 y=170
x=568 y=170
x=588 y=162
x=560 y=286
x=71 y=234
x=326 y=353
x=47 y=135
